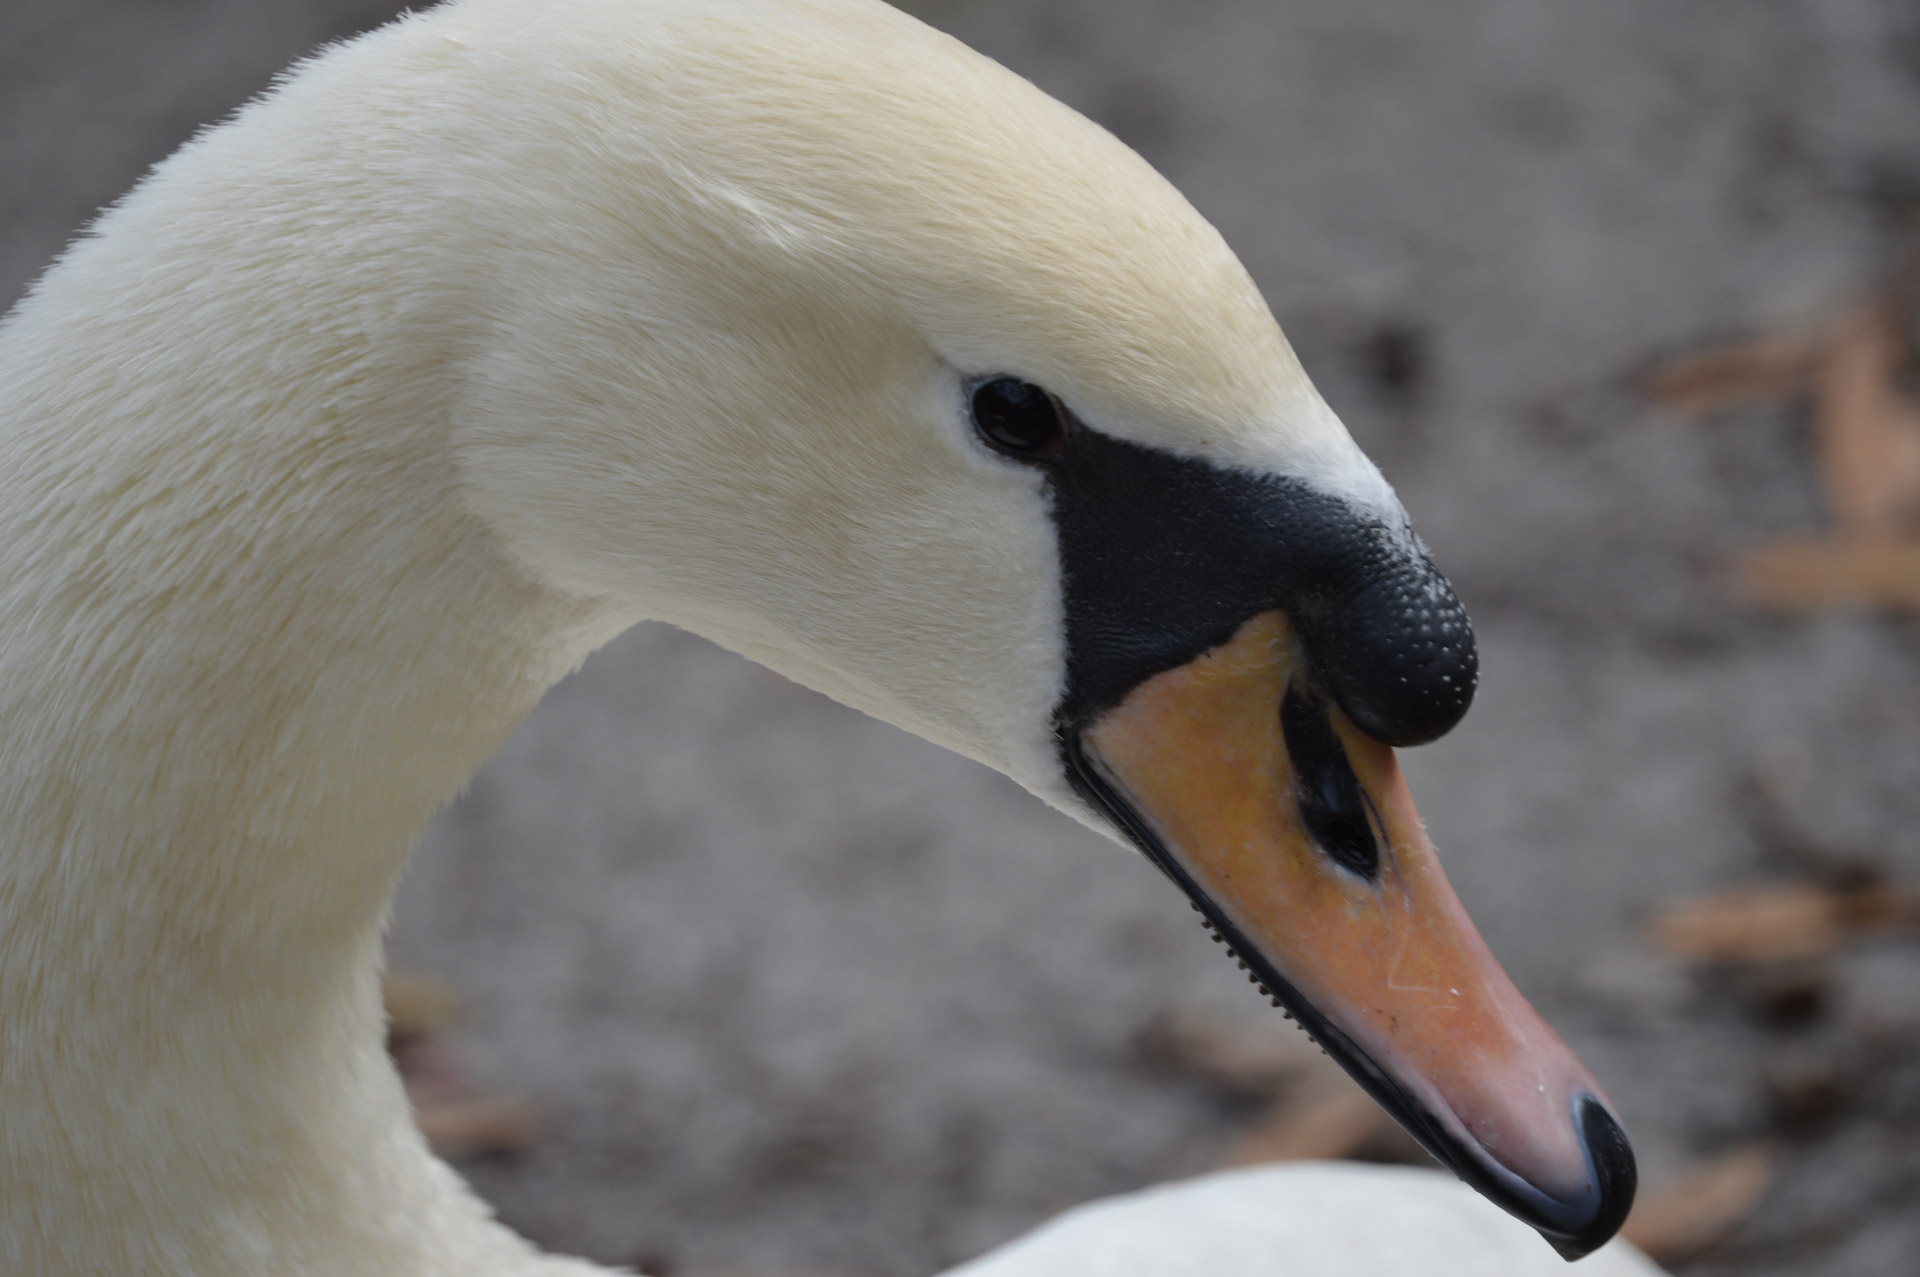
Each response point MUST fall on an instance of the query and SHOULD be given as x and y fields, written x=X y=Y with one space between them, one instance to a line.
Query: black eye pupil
x=1017 y=416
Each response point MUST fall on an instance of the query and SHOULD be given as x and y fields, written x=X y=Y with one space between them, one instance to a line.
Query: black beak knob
x=1393 y=645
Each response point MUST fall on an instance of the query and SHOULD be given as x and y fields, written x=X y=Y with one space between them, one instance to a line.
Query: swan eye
x=1020 y=418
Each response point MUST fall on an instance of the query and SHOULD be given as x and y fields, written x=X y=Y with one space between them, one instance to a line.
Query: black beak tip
x=1615 y=1177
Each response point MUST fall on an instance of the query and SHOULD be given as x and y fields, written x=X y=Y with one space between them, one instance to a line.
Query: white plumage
x=1310 y=1219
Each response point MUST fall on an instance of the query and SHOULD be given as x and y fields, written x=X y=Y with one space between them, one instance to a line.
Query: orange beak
x=1296 y=836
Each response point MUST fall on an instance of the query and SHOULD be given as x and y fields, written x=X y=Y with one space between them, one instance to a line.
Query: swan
x=371 y=412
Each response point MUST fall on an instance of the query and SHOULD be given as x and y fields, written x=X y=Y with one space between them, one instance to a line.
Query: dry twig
x=1343 y=1124
x=457 y=1124
x=1789 y=921
x=477 y=1127
x=1313 y=1110
x=1866 y=429
x=1733 y=376
x=417 y=1005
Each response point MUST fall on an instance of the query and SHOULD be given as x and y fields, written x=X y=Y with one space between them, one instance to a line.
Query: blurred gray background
x=799 y=994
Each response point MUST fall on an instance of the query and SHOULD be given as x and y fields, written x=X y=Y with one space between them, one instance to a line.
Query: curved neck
x=252 y=638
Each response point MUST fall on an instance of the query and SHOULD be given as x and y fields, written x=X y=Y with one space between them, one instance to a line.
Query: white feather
x=1304 y=1219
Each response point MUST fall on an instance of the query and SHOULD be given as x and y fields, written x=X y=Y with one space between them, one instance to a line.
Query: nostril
x=1332 y=805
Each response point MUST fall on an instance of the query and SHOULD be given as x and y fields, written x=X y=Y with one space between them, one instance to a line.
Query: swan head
x=829 y=339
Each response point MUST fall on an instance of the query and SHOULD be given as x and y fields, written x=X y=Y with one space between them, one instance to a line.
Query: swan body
x=1327 y=1219
x=371 y=412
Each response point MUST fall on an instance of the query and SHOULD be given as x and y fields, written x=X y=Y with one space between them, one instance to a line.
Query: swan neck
x=253 y=638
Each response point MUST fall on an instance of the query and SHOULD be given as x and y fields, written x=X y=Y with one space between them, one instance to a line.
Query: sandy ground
x=801 y=994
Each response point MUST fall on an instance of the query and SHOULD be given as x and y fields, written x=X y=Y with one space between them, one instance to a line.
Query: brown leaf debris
x=1691 y=1214
x=1866 y=432
x=1783 y=922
